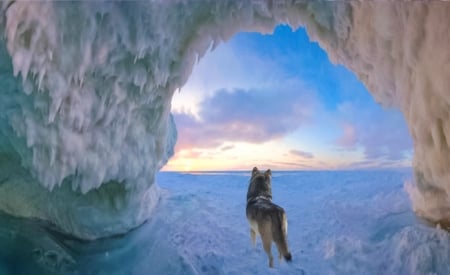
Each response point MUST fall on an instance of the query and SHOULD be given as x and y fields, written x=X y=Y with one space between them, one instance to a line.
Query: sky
x=276 y=101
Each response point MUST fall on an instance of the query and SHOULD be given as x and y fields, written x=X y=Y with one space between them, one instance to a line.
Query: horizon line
x=294 y=170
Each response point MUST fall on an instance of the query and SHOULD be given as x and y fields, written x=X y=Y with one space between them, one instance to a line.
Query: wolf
x=266 y=218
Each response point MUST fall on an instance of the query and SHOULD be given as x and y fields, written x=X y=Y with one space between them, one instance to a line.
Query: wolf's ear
x=268 y=173
x=254 y=171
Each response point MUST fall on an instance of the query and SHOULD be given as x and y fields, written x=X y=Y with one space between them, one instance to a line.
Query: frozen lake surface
x=340 y=222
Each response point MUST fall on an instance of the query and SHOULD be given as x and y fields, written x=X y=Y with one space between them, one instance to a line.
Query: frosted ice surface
x=339 y=223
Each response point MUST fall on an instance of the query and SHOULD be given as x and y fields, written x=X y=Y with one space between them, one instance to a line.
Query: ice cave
x=86 y=94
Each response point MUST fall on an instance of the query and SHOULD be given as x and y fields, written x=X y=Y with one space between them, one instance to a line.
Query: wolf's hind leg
x=267 y=243
x=253 y=236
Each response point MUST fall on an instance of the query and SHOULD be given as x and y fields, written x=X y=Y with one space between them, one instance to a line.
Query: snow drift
x=86 y=91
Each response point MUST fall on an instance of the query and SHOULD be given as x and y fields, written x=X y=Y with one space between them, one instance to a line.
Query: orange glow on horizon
x=244 y=156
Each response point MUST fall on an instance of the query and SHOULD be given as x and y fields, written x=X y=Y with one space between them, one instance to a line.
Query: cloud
x=348 y=139
x=376 y=164
x=302 y=154
x=381 y=133
x=284 y=164
x=254 y=116
x=191 y=154
x=227 y=147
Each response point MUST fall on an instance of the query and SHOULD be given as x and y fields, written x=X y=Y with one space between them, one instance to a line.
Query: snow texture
x=343 y=222
x=86 y=91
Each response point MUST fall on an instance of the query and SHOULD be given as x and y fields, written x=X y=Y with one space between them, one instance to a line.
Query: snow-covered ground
x=340 y=222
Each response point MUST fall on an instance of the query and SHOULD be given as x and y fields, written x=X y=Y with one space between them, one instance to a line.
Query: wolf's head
x=260 y=184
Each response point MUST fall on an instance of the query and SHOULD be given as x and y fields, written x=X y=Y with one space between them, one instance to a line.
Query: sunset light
x=277 y=101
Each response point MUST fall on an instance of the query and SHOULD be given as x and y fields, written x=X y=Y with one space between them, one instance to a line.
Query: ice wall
x=86 y=88
x=85 y=103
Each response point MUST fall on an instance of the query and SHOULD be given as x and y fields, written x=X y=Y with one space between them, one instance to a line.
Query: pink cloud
x=348 y=139
x=302 y=154
x=244 y=115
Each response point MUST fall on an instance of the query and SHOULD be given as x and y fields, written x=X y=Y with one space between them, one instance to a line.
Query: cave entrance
x=277 y=101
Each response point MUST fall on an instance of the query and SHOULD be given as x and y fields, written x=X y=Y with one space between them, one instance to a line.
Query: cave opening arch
x=276 y=100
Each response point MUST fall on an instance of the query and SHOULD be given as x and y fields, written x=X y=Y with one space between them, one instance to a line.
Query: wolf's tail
x=280 y=235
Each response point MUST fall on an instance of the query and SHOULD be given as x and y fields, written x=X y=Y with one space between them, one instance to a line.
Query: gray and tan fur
x=266 y=218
